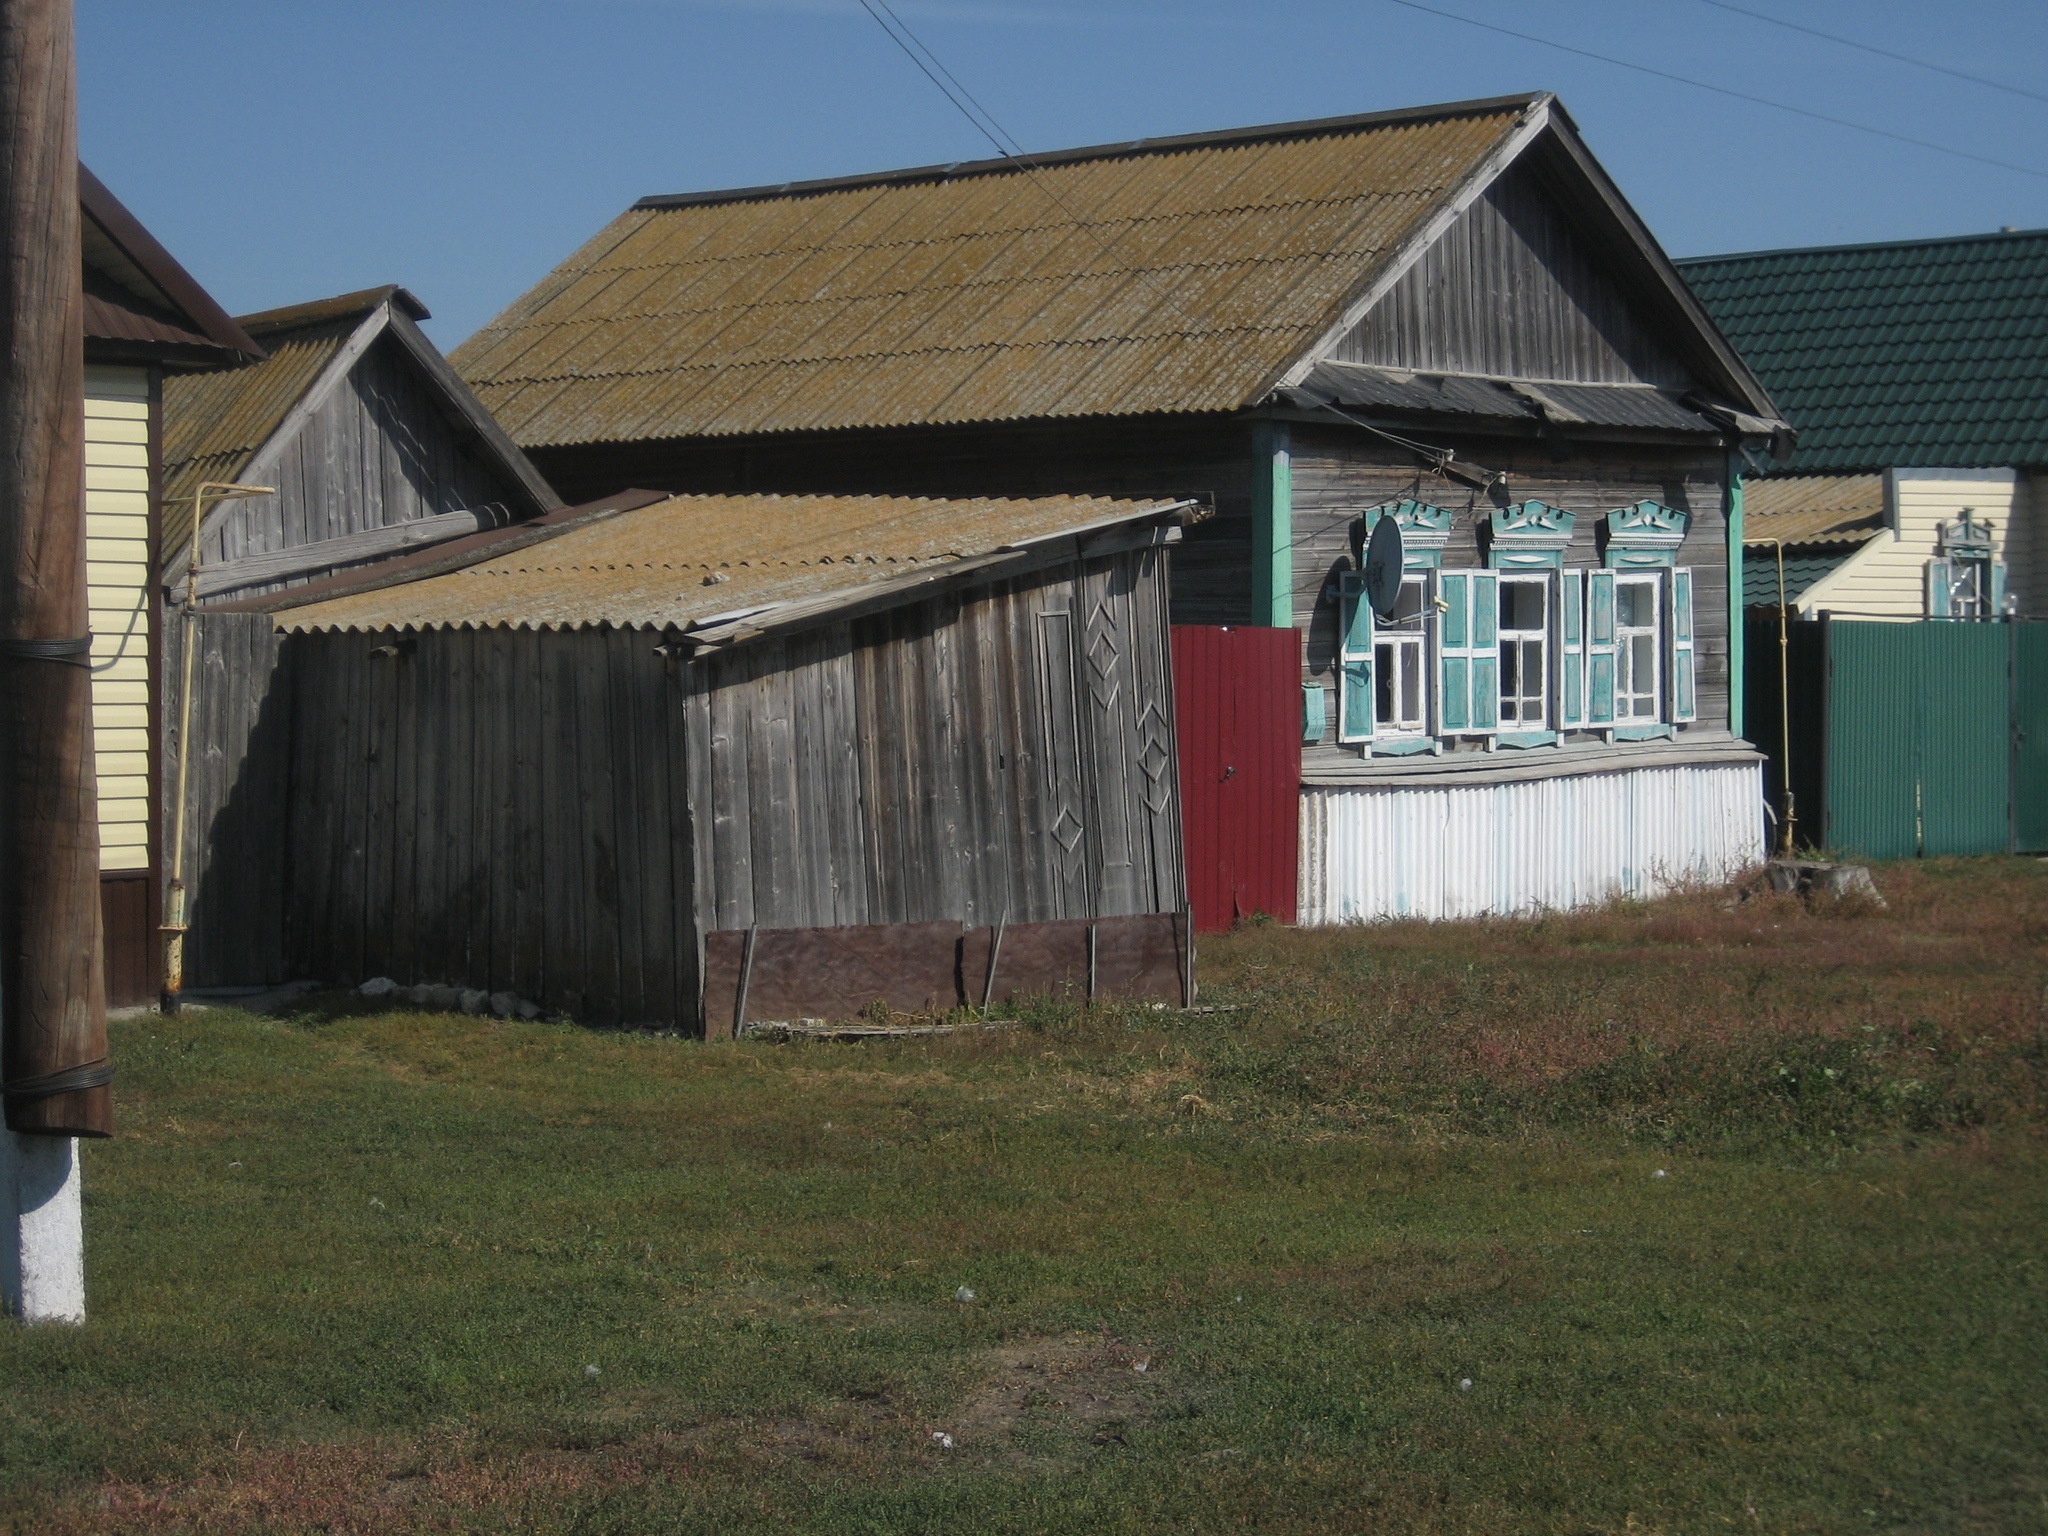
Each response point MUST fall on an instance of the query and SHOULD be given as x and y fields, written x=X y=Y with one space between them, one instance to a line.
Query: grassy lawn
x=1671 y=1218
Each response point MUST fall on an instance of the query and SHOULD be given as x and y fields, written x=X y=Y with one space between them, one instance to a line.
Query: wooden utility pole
x=53 y=1016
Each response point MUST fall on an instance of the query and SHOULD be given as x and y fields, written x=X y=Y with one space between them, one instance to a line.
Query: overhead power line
x=1722 y=90
x=1442 y=460
x=1882 y=53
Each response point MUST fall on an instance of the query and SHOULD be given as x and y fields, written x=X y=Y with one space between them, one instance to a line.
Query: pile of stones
x=445 y=999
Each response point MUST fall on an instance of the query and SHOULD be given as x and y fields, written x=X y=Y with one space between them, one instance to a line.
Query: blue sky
x=289 y=151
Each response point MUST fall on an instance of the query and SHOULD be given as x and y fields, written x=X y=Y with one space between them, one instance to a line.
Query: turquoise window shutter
x=1941 y=580
x=1313 y=713
x=1600 y=648
x=1485 y=650
x=1468 y=653
x=1680 y=648
x=1354 y=662
x=1571 y=648
x=1998 y=588
x=1454 y=652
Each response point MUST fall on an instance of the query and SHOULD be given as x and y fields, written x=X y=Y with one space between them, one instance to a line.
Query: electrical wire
x=1441 y=460
x=1882 y=53
x=1721 y=90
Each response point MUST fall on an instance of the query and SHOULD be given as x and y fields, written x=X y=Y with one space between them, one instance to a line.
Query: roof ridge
x=1860 y=245
x=341 y=306
x=1303 y=128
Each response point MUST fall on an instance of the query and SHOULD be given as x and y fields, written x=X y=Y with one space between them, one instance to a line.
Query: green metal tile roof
x=1760 y=573
x=1922 y=352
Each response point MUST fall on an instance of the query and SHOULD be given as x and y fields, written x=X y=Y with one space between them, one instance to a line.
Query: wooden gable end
x=1515 y=288
x=376 y=460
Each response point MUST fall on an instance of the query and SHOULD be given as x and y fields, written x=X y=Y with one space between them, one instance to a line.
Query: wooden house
x=146 y=324
x=1447 y=316
x=1913 y=370
x=702 y=760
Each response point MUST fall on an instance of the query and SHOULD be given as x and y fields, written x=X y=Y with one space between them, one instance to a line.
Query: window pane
x=1411 y=685
x=1383 y=682
x=1408 y=606
x=1521 y=604
x=1635 y=604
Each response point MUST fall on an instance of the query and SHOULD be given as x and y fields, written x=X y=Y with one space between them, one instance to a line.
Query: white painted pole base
x=42 y=1229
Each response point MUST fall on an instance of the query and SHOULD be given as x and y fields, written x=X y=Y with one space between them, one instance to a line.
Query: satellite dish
x=1383 y=567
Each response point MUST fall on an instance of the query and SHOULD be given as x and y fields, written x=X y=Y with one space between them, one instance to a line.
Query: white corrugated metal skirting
x=1524 y=847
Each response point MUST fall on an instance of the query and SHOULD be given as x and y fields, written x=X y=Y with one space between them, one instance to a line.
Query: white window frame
x=1390 y=645
x=1545 y=638
x=1628 y=654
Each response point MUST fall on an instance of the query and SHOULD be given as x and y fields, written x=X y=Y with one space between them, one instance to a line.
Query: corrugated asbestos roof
x=691 y=557
x=1924 y=352
x=1813 y=509
x=974 y=293
x=215 y=422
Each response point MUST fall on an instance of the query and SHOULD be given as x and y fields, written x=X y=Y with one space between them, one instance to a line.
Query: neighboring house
x=1447 y=316
x=1915 y=371
x=146 y=323
x=372 y=442
x=697 y=761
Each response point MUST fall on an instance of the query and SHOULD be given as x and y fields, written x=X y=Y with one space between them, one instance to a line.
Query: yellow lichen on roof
x=1171 y=278
x=214 y=422
x=689 y=557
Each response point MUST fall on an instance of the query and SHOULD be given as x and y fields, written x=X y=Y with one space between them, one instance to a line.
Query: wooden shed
x=723 y=758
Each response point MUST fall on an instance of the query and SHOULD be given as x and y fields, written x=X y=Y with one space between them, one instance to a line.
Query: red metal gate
x=1237 y=692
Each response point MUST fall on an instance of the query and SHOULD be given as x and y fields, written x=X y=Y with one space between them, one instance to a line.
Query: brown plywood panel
x=831 y=972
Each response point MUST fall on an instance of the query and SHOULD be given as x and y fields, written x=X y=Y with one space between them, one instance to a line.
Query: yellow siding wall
x=2028 y=549
x=117 y=578
x=1887 y=577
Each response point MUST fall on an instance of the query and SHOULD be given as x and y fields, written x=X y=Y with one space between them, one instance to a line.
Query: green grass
x=348 y=1269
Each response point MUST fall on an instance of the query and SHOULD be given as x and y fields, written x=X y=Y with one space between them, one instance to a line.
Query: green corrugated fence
x=1908 y=740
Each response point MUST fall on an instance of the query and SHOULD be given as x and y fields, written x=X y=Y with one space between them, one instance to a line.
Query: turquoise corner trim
x=1734 y=610
x=1272 y=526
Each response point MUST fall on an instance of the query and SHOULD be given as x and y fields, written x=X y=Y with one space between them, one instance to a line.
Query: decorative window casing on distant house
x=1965 y=580
x=1527 y=649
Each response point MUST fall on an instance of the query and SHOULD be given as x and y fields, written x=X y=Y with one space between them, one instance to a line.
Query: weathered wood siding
x=238 y=797
x=1512 y=292
x=1141 y=457
x=1002 y=755
x=379 y=450
x=499 y=809
x=1338 y=475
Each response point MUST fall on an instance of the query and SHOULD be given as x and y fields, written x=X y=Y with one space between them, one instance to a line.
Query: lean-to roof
x=686 y=559
x=1914 y=352
x=1170 y=275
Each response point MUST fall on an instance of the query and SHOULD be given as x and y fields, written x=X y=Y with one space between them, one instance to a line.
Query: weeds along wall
x=565 y=814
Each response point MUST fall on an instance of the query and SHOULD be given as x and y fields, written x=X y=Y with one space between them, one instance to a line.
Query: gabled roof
x=138 y=301
x=217 y=424
x=1911 y=352
x=704 y=563
x=1188 y=274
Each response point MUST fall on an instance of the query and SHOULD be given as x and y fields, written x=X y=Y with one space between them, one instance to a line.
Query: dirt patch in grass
x=1046 y=1399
